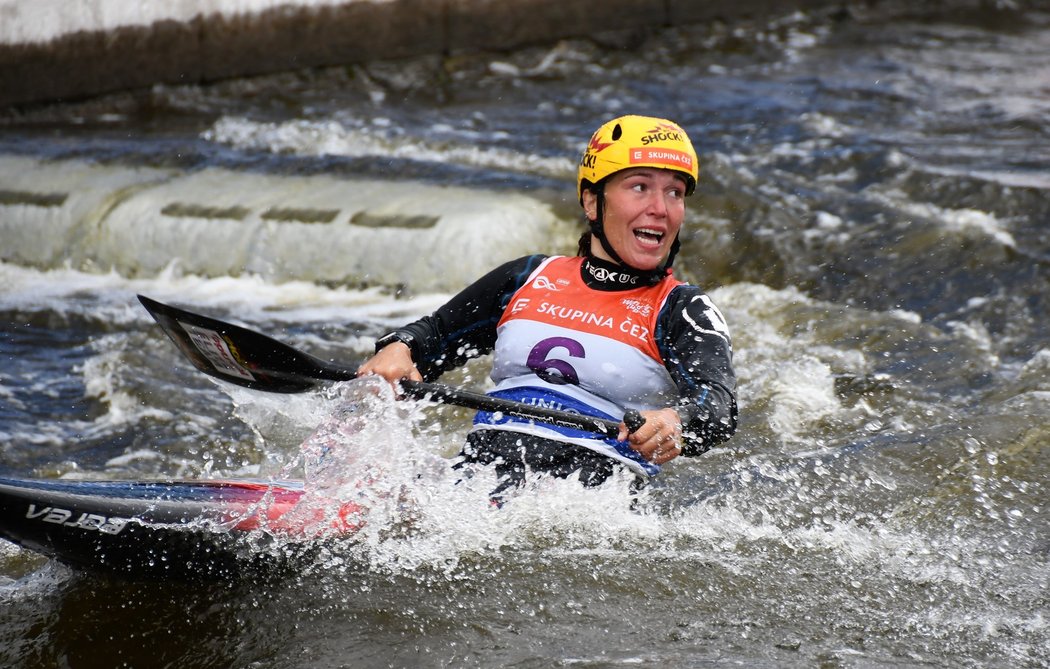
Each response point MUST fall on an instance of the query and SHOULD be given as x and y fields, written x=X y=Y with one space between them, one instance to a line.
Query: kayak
x=224 y=528
x=210 y=529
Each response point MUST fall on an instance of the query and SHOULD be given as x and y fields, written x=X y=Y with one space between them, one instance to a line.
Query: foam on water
x=220 y=222
x=423 y=515
x=792 y=391
x=111 y=297
x=964 y=222
x=104 y=381
x=1039 y=180
x=100 y=372
x=426 y=521
x=321 y=138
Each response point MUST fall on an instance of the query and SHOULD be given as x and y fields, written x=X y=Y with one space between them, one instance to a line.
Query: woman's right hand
x=393 y=362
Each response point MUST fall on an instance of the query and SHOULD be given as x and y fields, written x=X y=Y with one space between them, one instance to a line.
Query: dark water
x=871 y=219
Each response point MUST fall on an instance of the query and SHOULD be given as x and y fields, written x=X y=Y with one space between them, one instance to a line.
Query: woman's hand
x=659 y=439
x=393 y=362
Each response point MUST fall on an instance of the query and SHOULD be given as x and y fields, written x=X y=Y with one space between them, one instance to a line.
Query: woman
x=608 y=330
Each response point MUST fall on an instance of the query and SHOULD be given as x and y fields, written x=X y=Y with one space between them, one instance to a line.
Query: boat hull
x=187 y=529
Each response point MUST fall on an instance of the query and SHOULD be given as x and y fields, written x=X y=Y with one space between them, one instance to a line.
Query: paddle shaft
x=448 y=395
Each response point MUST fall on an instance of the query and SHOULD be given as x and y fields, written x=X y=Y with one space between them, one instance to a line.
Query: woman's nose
x=657 y=205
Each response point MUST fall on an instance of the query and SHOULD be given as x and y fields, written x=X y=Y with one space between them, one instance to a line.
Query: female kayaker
x=607 y=330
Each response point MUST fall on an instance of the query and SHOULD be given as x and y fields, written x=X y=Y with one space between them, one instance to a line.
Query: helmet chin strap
x=598 y=229
x=652 y=276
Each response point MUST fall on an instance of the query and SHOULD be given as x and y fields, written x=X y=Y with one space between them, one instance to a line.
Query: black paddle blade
x=239 y=355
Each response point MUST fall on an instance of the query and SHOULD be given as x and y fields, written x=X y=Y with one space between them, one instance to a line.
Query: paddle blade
x=239 y=355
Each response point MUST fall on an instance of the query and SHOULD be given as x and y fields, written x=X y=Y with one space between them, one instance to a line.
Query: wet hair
x=584 y=247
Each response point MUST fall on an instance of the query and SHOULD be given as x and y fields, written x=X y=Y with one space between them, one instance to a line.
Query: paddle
x=253 y=360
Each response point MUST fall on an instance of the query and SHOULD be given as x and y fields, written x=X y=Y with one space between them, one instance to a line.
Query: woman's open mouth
x=648 y=236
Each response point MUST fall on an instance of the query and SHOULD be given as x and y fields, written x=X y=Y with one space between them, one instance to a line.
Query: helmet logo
x=655 y=156
x=663 y=132
x=597 y=146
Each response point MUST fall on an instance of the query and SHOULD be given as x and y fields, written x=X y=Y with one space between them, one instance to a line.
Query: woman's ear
x=590 y=204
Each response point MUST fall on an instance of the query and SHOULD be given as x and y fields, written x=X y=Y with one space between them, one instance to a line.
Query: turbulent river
x=872 y=220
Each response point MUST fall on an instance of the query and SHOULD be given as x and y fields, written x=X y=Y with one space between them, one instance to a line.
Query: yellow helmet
x=637 y=141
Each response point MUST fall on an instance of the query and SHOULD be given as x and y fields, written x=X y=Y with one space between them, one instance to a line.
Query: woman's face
x=644 y=209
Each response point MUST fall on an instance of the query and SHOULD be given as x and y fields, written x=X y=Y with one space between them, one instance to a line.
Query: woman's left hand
x=659 y=439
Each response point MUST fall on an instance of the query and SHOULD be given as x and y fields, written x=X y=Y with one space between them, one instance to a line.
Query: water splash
x=379 y=485
x=334 y=138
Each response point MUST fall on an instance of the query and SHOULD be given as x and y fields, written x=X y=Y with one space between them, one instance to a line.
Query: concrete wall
x=209 y=48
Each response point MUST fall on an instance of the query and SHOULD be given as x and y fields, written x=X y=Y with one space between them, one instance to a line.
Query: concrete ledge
x=502 y=24
x=208 y=48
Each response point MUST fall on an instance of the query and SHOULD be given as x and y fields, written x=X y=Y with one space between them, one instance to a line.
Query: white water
x=110 y=297
x=424 y=521
x=373 y=137
x=107 y=368
x=217 y=222
x=899 y=521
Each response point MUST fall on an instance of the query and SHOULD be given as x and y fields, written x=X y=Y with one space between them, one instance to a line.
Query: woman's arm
x=461 y=329
x=698 y=353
